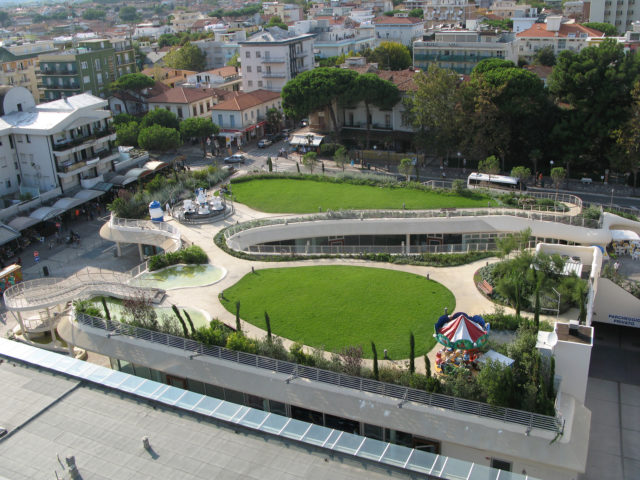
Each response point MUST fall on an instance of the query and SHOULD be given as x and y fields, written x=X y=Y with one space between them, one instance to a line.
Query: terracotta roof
x=223 y=71
x=403 y=79
x=332 y=20
x=539 y=30
x=183 y=95
x=397 y=20
x=540 y=70
x=243 y=101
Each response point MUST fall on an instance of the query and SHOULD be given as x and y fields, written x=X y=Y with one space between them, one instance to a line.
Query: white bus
x=502 y=182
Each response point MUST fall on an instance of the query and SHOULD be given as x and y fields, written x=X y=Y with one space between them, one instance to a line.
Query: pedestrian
x=616 y=265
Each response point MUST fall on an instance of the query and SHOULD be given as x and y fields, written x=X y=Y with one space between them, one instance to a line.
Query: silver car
x=235 y=158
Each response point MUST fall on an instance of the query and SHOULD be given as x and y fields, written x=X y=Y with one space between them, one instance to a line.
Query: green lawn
x=305 y=196
x=331 y=307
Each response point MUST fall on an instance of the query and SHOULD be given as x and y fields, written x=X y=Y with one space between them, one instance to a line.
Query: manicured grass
x=332 y=307
x=306 y=196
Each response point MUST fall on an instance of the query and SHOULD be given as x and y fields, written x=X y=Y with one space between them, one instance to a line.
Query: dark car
x=235 y=158
x=265 y=142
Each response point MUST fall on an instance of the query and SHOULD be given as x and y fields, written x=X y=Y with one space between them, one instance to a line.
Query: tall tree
x=200 y=128
x=376 y=371
x=158 y=138
x=521 y=173
x=315 y=90
x=309 y=160
x=274 y=119
x=558 y=174
x=132 y=83
x=545 y=56
x=372 y=90
x=391 y=56
x=405 y=167
x=490 y=165
x=128 y=14
x=606 y=28
x=434 y=109
x=341 y=157
x=162 y=117
x=127 y=134
x=412 y=353
x=596 y=84
x=628 y=138
x=187 y=57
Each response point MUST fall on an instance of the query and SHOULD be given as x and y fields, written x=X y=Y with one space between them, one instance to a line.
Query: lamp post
x=611 y=204
x=459 y=154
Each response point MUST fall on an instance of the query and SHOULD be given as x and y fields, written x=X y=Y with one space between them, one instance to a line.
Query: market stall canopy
x=622 y=235
x=155 y=165
x=45 y=213
x=461 y=331
x=67 y=203
x=131 y=176
x=496 y=357
x=88 y=194
x=304 y=140
x=22 y=223
x=102 y=186
x=7 y=234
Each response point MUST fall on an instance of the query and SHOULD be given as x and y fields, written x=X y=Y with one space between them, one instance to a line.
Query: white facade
x=271 y=58
x=221 y=48
x=400 y=30
x=151 y=30
x=620 y=13
x=338 y=40
x=55 y=144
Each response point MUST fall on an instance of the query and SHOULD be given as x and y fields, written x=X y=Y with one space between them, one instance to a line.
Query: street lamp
x=459 y=154
x=611 y=204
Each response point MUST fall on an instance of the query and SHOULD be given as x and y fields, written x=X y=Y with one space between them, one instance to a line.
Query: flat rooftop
x=581 y=334
x=50 y=416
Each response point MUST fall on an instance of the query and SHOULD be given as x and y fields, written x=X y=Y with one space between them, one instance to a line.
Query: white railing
x=399 y=392
x=160 y=228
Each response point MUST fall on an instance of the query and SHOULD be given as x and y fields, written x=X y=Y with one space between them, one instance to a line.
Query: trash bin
x=45 y=271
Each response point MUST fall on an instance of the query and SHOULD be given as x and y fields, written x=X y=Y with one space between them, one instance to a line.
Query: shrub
x=237 y=341
x=190 y=255
x=328 y=149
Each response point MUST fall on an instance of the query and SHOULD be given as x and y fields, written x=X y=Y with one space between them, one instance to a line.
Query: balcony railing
x=72 y=86
x=397 y=392
x=273 y=60
x=57 y=71
x=273 y=75
x=70 y=167
x=61 y=146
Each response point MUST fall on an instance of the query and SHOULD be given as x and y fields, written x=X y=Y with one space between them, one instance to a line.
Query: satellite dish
x=552 y=339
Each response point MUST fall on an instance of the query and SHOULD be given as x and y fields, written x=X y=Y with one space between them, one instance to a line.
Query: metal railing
x=403 y=394
x=442 y=213
x=161 y=228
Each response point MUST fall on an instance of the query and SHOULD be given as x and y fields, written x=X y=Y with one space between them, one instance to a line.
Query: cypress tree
x=193 y=330
x=107 y=314
x=412 y=353
x=238 y=326
x=376 y=372
x=268 y=321
x=181 y=320
x=427 y=365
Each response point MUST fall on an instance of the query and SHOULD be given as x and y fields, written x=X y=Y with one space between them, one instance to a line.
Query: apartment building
x=61 y=144
x=620 y=13
x=287 y=12
x=89 y=67
x=185 y=102
x=556 y=34
x=443 y=12
x=221 y=48
x=224 y=78
x=461 y=50
x=273 y=57
x=341 y=35
x=242 y=117
x=398 y=29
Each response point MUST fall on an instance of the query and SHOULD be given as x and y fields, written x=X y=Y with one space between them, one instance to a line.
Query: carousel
x=461 y=336
x=201 y=209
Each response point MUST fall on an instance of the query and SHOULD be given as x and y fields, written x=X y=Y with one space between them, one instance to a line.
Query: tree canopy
x=159 y=139
x=545 y=56
x=315 y=90
x=132 y=81
x=127 y=134
x=606 y=28
x=128 y=14
x=199 y=128
x=391 y=56
x=5 y=19
x=94 y=14
x=162 y=117
x=276 y=21
x=187 y=57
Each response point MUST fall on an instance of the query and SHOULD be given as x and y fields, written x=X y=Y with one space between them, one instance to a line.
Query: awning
x=496 y=357
x=155 y=165
x=7 y=234
x=129 y=177
x=621 y=235
x=102 y=186
x=88 y=194
x=137 y=172
x=304 y=140
x=45 y=213
x=22 y=223
x=67 y=203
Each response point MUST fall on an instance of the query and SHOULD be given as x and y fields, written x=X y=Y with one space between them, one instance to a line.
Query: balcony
x=85 y=142
x=73 y=86
x=70 y=169
x=274 y=75
x=274 y=60
x=57 y=71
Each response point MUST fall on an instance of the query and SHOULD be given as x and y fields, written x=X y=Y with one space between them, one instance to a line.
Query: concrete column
x=19 y=318
x=118 y=249
x=407 y=242
x=141 y=252
x=52 y=326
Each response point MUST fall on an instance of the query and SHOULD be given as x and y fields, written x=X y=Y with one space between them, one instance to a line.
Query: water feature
x=180 y=276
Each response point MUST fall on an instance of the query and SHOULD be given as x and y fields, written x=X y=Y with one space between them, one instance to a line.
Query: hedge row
x=189 y=255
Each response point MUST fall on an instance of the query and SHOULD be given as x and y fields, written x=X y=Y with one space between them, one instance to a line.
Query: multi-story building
x=340 y=35
x=555 y=34
x=402 y=30
x=224 y=78
x=182 y=21
x=221 y=48
x=620 y=13
x=439 y=12
x=18 y=65
x=273 y=57
x=507 y=9
x=61 y=144
x=89 y=67
x=461 y=50
x=169 y=76
x=243 y=117
x=186 y=102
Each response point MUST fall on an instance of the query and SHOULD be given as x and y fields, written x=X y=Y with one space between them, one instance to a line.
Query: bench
x=586 y=180
x=485 y=288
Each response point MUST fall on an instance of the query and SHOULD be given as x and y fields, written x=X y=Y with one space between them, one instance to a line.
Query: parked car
x=265 y=142
x=279 y=136
x=235 y=158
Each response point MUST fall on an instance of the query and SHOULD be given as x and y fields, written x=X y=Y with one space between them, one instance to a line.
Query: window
x=250 y=83
x=195 y=111
x=259 y=69
x=86 y=79
x=97 y=62
x=11 y=142
x=19 y=107
x=501 y=464
x=27 y=138
x=126 y=57
x=3 y=162
x=179 y=112
x=220 y=119
x=248 y=54
x=99 y=77
x=232 y=120
x=258 y=54
x=84 y=65
x=201 y=108
x=8 y=183
x=387 y=120
x=248 y=68
x=259 y=83
x=246 y=117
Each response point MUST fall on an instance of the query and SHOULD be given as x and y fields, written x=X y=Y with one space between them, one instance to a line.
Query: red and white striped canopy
x=461 y=328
